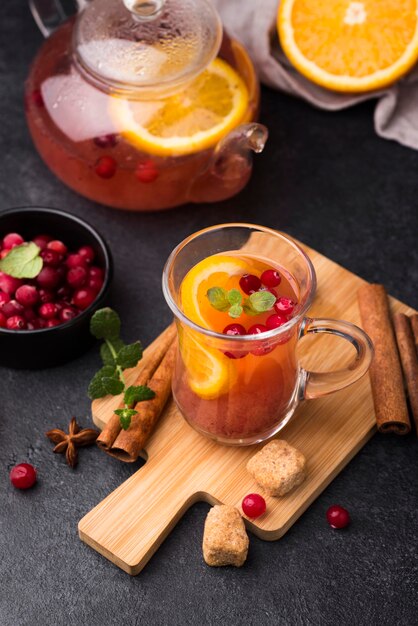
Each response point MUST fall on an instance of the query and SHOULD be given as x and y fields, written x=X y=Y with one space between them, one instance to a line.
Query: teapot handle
x=49 y=14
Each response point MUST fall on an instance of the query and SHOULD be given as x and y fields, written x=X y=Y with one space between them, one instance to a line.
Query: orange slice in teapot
x=193 y=119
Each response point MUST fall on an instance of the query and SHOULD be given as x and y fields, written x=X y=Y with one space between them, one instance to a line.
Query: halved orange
x=347 y=45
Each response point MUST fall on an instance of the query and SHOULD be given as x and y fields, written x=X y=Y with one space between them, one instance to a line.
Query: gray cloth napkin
x=253 y=23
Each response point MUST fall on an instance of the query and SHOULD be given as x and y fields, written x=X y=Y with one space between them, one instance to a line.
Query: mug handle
x=318 y=384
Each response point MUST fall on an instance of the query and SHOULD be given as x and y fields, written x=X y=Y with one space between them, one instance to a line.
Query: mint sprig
x=116 y=356
x=22 y=261
x=232 y=301
x=223 y=300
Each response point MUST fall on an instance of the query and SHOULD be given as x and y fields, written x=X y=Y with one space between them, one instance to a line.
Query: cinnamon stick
x=409 y=360
x=385 y=371
x=129 y=443
x=414 y=324
x=112 y=429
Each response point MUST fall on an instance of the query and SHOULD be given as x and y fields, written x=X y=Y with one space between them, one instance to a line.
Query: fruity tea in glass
x=143 y=105
x=240 y=293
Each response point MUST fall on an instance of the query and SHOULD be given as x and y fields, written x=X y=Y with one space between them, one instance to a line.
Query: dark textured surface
x=324 y=178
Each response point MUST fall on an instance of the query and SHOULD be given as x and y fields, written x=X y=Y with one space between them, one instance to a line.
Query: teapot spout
x=229 y=169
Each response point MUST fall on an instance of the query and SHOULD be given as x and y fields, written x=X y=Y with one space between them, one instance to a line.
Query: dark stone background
x=328 y=180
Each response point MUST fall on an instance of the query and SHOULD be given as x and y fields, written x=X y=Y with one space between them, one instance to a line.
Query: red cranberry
x=11 y=240
x=338 y=517
x=23 y=476
x=45 y=295
x=105 y=167
x=64 y=293
x=83 y=298
x=76 y=277
x=41 y=241
x=27 y=295
x=48 y=310
x=87 y=253
x=29 y=315
x=284 y=306
x=257 y=329
x=57 y=246
x=96 y=272
x=48 y=277
x=8 y=284
x=36 y=98
x=51 y=257
x=12 y=308
x=53 y=322
x=254 y=505
x=146 y=171
x=95 y=283
x=106 y=141
x=271 y=278
x=260 y=350
x=275 y=321
x=16 y=322
x=3 y=320
x=67 y=313
x=234 y=330
x=249 y=283
x=35 y=324
x=4 y=298
x=75 y=260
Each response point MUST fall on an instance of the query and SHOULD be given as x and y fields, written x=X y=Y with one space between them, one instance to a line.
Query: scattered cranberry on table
x=337 y=516
x=23 y=476
x=254 y=505
x=65 y=286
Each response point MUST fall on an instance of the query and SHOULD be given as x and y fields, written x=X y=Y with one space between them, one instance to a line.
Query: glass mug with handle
x=240 y=293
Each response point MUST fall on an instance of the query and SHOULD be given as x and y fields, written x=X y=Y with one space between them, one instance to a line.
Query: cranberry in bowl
x=44 y=318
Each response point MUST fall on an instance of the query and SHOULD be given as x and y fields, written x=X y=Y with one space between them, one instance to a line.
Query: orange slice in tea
x=210 y=372
x=350 y=45
x=193 y=119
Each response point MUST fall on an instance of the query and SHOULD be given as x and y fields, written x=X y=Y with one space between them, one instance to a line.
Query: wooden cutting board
x=183 y=467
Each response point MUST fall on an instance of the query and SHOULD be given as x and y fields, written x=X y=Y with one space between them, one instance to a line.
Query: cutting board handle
x=130 y=524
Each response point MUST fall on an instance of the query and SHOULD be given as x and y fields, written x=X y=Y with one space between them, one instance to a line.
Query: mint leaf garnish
x=235 y=311
x=22 y=261
x=138 y=394
x=234 y=297
x=105 y=324
x=116 y=356
x=112 y=385
x=218 y=298
x=260 y=301
x=107 y=357
x=128 y=356
x=96 y=387
x=125 y=416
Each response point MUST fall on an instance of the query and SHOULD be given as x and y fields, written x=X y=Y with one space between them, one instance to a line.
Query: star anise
x=69 y=443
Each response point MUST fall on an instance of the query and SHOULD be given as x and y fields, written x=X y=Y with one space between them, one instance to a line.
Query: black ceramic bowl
x=47 y=347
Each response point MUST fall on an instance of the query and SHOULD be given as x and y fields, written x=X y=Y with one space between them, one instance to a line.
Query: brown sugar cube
x=225 y=541
x=278 y=467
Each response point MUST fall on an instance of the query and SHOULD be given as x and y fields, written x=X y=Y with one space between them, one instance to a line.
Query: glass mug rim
x=240 y=338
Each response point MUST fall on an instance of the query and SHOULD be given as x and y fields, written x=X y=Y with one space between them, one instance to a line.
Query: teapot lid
x=145 y=47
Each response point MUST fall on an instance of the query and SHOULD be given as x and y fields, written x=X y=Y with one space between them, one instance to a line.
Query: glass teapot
x=143 y=104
